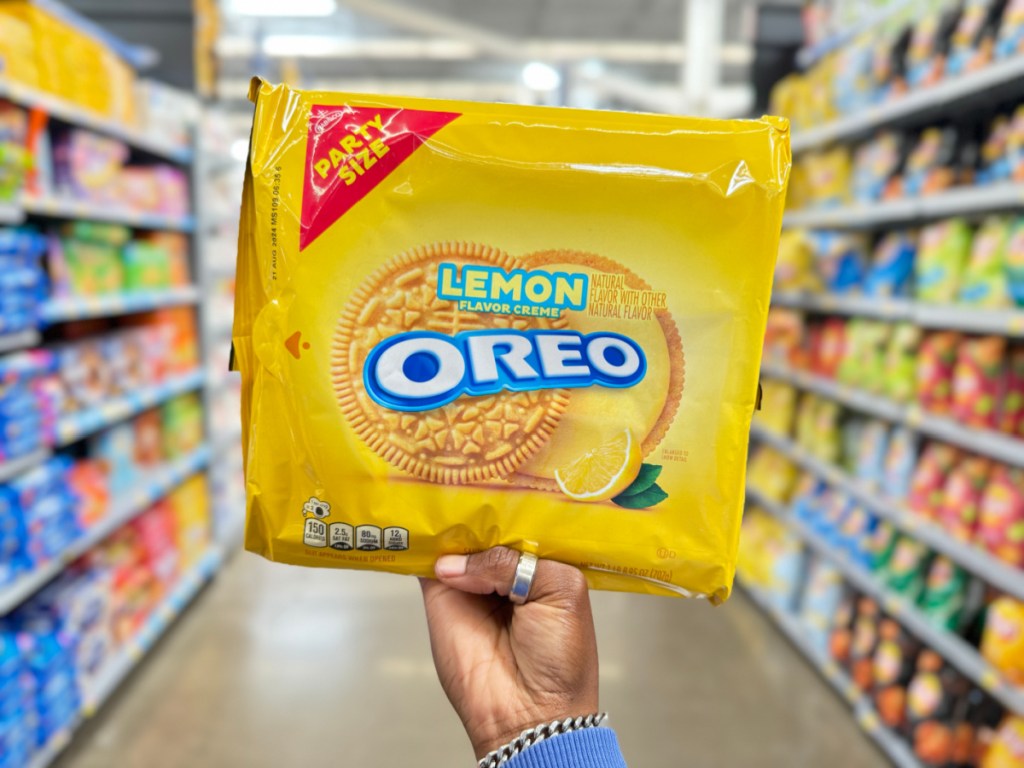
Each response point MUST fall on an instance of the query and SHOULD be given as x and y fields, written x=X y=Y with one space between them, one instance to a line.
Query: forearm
x=588 y=748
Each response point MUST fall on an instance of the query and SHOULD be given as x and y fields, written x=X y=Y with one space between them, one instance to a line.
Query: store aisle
x=278 y=666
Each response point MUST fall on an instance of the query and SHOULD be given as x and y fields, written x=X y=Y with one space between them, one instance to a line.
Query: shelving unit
x=954 y=649
x=863 y=710
x=186 y=590
x=958 y=201
x=1005 y=322
x=154 y=487
x=974 y=559
x=155 y=483
x=1000 y=80
x=1007 y=449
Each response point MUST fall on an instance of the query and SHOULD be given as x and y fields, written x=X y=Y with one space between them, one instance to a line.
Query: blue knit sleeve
x=589 y=748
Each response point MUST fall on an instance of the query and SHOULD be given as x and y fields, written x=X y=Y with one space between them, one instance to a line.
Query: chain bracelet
x=537 y=734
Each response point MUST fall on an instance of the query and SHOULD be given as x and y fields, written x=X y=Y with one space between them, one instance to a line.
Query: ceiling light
x=538 y=76
x=302 y=45
x=281 y=8
x=240 y=150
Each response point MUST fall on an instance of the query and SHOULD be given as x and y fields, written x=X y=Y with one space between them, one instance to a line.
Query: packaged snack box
x=463 y=325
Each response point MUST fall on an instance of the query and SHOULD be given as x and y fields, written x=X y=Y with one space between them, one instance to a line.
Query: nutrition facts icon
x=341 y=536
x=315 y=533
x=396 y=538
x=368 y=537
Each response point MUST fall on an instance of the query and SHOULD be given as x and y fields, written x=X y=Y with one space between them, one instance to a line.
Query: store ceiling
x=478 y=48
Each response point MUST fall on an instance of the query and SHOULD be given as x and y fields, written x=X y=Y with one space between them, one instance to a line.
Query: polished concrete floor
x=276 y=667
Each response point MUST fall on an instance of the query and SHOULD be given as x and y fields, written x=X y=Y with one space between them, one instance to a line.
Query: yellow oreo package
x=462 y=325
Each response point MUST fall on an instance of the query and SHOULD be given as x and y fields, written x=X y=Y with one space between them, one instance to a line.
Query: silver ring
x=523 y=580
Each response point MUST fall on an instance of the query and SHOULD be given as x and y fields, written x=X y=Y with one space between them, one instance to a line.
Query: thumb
x=483 y=573
x=492 y=572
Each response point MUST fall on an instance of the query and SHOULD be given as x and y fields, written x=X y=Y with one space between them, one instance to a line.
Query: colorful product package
x=1001 y=515
x=936 y=363
x=945 y=594
x=462 y=325
x=979 y=380
x=899 y=463
x=961 y=496
x=1007 y=750
x=942 y=253
x=929 y=478
x=905 y=573
x=1014 y=257
x=892 y=266
x=1002 y=642
x=893 y=668
x=1011 y=412
x=985 y=280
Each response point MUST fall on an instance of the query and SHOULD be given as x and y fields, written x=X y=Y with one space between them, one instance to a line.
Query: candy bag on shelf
x=984 y=281
x=979 y=380
x=961 y=496
x=892 y=266
x=900 y=365
x=462 y=325
x=936 y=362
x=864 y=642
x=1014 y=258
x=906 y=571
x=892 y=671
x=929 y=478
x=1011 y=411
x=1001 y=515
x=945 y=594
x=1002 y=642
x=942 y=253
x=1007 y=749
x=898 y=470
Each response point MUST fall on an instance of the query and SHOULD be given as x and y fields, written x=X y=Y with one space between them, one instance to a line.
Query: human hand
x=505 y=667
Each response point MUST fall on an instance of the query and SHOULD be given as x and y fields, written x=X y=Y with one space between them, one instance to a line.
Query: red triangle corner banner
x=353 y=149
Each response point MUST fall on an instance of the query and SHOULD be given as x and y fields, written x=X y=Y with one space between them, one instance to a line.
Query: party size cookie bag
x=462 y=325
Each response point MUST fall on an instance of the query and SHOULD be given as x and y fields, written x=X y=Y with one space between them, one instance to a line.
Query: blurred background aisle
x=880 y=615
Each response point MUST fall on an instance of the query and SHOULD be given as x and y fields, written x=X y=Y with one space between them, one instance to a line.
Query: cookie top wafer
x=469 y=440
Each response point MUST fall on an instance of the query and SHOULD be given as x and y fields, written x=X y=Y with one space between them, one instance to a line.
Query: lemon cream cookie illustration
x=407 y=363
x=621 y=302
x=465 y=325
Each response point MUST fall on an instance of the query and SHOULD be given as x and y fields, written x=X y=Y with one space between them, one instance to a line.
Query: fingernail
x=449 y=566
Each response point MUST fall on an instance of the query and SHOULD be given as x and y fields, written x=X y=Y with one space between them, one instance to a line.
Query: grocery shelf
x=952 y=648
x=895 y=748
x=76 y=115
x=14 y=467
x=84 y=307
x=976 y=560
x=1004 y=322
x=11 y=342
x=999 y=80
x=163 y=616
x=128 y=506
x=1004 y=448
x=59 y=208
x=75 y=426
x=959 y=201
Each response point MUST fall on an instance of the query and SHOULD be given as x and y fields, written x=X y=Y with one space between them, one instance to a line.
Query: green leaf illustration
x=648 y=474
x=642 y=500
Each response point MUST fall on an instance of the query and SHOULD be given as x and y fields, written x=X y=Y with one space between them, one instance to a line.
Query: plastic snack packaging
x=463 y=325
x=906 y=571
x=863 y=643
x=979 y=381
x=945 y=594
x=893 y=668
x=1007 y=749
x=961 y=496
x=1015 y=250
x=1002 y=642
x=936 y=362
x=942 y=254
x=985 y=280
x=1011 y=412
x=1001 y=515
